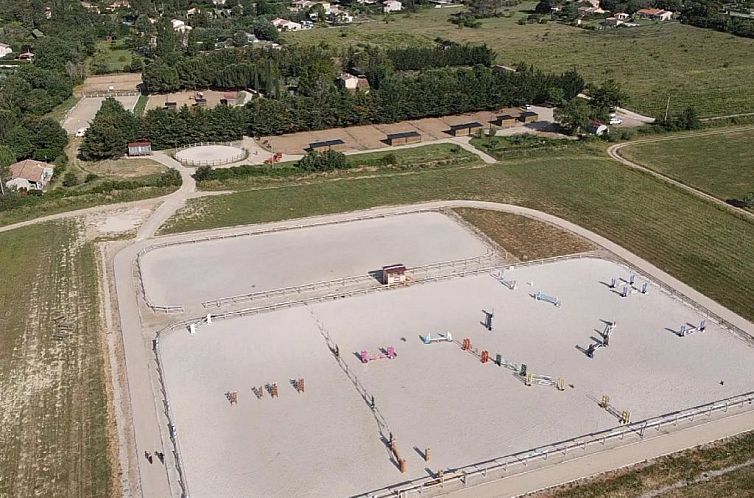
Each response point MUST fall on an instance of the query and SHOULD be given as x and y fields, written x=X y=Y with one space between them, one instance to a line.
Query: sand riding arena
x=405 y=354
x=211 y=154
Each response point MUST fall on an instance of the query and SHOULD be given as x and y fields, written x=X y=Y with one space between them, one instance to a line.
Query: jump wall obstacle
x=539 y=296
x=428 y=339
x=488 y=316
x=388 y=354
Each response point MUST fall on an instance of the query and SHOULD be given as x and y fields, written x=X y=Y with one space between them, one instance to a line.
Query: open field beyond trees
x=720 y=165
x=54 y=421
x=692 y=66
x=692 y=240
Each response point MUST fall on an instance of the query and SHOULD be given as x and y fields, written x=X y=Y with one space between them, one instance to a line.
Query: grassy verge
x=720 y=165
x=665 y=471
x=692 y=66
x=515 y=146
x=141 y=104
x=525 y=238
x=63 y=204
x=61 y=109
x=54 y=421
x=696 y=242
x=400 y=161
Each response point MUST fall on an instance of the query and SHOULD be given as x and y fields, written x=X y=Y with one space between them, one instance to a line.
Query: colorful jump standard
x=386 y=354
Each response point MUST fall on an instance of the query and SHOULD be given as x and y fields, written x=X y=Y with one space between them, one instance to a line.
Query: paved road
x=614 y=152
x=172 y=202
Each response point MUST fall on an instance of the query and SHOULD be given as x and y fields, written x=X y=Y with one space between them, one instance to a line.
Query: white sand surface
x=192 y=273
x=326 y=443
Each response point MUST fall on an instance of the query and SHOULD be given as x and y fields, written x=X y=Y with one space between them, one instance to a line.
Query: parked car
x=527 y=107
x=614 y=120
x=80 y=132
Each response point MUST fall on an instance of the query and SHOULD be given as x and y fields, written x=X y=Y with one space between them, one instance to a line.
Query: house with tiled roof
x=29 y=175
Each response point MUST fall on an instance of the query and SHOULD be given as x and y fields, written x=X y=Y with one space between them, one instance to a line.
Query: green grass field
x=525 y=239
x=707 y=69
x=720 y=165
x=63 y=204
x=54 y=418
x=111 y=56
x=399 y=162
x=669 y=470
x=655 y=221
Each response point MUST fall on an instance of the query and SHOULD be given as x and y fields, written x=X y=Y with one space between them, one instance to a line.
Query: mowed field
x=709 y=70
x=54 y=417
x=721 y=164
x=691 y=239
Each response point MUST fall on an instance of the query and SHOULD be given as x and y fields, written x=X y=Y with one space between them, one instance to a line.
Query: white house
x=286 y=25
x=353 y=83
x=218 y=2
x=655 y=14
x=392 y=6
x=5 y=50
x=180 y=26
x=621 y=16
x=341 y=17
x=598 y=128
x=29 y=175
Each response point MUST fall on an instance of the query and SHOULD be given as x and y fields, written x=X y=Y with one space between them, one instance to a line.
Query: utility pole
x=667 y=108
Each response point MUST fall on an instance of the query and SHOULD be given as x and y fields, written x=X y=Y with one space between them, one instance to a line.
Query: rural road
x=614 y=152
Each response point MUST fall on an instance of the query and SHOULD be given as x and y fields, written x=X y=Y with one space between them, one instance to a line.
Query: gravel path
x=614 y=152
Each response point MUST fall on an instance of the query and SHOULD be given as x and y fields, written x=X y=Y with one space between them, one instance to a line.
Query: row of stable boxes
x=457 y=130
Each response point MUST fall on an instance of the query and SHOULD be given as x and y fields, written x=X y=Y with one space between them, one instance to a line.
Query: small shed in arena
x=393 y=274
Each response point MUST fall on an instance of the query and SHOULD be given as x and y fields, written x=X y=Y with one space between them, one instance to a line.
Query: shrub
x=323 y=161
x=70 y=180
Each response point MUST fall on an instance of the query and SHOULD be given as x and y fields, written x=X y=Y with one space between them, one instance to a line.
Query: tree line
x=401 y=96
x=268 y=71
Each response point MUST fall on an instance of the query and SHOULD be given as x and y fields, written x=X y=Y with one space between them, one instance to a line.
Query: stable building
x=229 y=99
x=505 y=121
x=393 y=274
x=528 y=117
x=140 y=148
x=335 y=144
x=403 y=138
x=464 y=129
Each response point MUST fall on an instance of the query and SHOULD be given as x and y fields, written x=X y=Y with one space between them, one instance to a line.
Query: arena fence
x=242 y=154
x=709 y=315
x=111 y=93
x=492 y=469
x=366 y=282
x=497 y=468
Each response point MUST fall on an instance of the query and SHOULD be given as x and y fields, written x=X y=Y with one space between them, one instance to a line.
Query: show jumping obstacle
x=386 y=354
